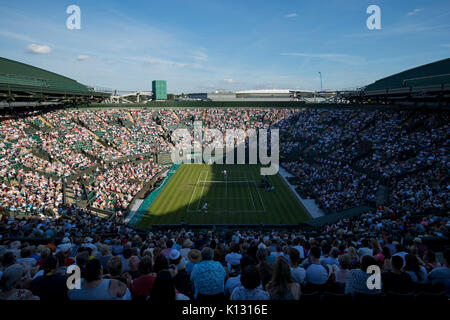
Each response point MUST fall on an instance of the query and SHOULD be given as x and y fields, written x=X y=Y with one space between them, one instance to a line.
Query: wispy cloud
x=201 y=56
x=82 y=57
x=414 y=12
x=156 y=61
x=228 y=80
x=16 y=36
x=336 y=57
x=38 y=49
x=447 y=45
x=291 y=15
x=399 y=30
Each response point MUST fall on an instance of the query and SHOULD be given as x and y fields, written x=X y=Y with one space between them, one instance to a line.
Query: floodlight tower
x=320 y=73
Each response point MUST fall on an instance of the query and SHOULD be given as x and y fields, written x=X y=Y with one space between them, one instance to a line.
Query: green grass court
x=235 y=198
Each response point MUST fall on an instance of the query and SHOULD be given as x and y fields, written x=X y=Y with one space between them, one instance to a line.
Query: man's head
x=294 y=256
x=315 y=253
x=250 y=278
x=397 y=263
x=366 y=262
x=207 y=253
x=93 y=270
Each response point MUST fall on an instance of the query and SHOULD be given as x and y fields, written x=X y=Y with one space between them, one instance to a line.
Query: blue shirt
x=240 y=293
x=208 y=277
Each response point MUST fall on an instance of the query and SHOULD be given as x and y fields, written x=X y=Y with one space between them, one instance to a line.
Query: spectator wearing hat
x=11 y=284
x=182 y=281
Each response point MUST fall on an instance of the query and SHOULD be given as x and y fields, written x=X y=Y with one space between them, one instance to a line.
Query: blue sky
x=203 y=45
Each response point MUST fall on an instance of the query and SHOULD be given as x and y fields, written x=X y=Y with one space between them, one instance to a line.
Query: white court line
x=203 y=188
x=195 y=188
x=228 y=198
x=227 y=211
x=248 y=185
x=226 y=186
x=260 y=198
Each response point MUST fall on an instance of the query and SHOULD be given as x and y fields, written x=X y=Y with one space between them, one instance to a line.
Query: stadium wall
x=203 y=104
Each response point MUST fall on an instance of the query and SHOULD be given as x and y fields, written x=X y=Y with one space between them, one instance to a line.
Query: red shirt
x=69 y=261
x=142 y=286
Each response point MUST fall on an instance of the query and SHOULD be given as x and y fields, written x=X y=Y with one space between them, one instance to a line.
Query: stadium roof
x=23 y=82
x=435 y=73
x=269 y=91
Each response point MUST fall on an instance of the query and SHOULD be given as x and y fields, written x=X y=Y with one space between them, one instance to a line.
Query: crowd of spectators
x=341 y=157
x=118 y=263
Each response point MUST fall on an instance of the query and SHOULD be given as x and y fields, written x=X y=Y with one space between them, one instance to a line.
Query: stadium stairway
x=382 y=194
x=309 y=204
x=45 y=121
x=69 y=196
x=130 y=117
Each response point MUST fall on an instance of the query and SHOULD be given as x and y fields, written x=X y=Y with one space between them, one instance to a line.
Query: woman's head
x=207 y=254
x=161 y=263
x=114 y=266
x=352 y=252
x=281 y=278
x=281 y=271
x=145 y=265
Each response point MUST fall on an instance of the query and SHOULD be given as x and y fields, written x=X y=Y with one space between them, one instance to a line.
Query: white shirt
x=316 y=274
x=299 y=274
x=233 y=258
